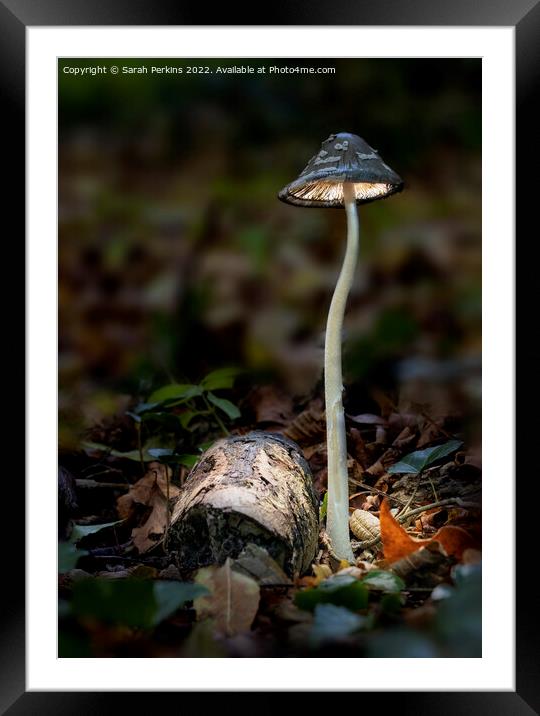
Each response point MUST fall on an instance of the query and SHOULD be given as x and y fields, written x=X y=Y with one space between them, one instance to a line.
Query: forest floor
x=415 y=502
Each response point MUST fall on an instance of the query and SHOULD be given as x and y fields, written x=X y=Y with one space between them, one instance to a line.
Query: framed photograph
x=270 y=353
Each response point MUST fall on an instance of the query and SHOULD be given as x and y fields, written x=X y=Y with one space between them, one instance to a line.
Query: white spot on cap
x=366 y=156
x=326 y=160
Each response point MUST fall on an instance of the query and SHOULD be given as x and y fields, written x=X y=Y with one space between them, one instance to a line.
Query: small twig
x=109 y=551
x=84 y=482
x=411 y=498
x=281 y=586
x=214 y=412
x=377 y=491
x=441 y=503
x=432 y=485
x=139 y=446
x=106 y=468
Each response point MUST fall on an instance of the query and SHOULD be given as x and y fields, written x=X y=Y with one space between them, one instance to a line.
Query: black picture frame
x=524 y=16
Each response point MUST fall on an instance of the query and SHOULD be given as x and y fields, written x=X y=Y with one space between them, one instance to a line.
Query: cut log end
x=255 y=488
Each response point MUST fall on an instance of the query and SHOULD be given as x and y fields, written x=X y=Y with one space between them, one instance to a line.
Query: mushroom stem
x=337 y=522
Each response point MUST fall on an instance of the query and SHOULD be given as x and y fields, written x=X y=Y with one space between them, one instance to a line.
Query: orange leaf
x=397 y=544
x=454 y=540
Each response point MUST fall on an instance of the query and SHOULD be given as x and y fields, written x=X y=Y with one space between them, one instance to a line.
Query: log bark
x=255 y=488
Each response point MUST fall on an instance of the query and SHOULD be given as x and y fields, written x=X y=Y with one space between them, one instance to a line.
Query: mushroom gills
x=327 y=191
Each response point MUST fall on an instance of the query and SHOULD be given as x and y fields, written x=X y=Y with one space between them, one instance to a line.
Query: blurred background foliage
x=177 y=258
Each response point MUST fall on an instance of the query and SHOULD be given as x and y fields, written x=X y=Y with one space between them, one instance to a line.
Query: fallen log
x=255 y=488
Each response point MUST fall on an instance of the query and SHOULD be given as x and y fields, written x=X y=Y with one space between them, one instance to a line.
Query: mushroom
x=345 y=172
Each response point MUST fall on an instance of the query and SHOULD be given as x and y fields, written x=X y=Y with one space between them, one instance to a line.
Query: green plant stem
x=411 y=498
x=139 y=446
x=214 y=412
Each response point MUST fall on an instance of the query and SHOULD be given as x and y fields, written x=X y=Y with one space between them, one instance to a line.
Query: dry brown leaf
x=371 y=501
x=233 y=600
x=364 y=525
x=431 y=430
x=255 y=562
x=358 y=448
x=397 y=544
x=405 y=438
x=151 y=491
x=376 y=469
x=271 y=406
x=309 y=427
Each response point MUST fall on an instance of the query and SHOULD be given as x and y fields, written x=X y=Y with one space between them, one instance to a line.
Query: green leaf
x=80 y=531
x=130 y=455
x=402 y=642
x=392 y=603
x=170 y=457
x=170 y=596
x=160 y=453
x=459 y=618
x=221 y=378
x=71 y=646
x=383 y=580
x=324 y=507
x=175 y=391
x=417 y=461
x=90 y=446
x=144 y=408
x=186 y=417
x=68 y=556
x=332 y=623
x=341 y=589
x=133 y=602
x=130 y=602
x=188 y=460
x=228 y=408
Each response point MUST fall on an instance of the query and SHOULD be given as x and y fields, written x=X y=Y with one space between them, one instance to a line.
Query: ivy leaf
x=340 y=589
x=188 y=460
x=170 y=596
x=417 y=461
x=144 y=408
x=186 y=417
x=80 y=531
x=162 y=454
x=132 y=602
x=332 y=623
x=175 y=391
x=68 y=556
x=383 y=580
x=221 y=378
x=228 y=408
x=170 y=457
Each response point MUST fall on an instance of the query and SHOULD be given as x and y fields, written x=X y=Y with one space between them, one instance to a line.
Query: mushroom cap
x=342 y=158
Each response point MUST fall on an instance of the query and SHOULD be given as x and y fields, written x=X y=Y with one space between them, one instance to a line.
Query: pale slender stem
x=337 y=521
